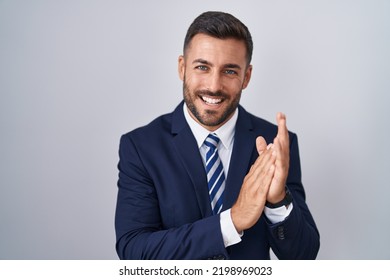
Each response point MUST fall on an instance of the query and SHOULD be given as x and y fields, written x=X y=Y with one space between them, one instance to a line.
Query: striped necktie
x=215 y=173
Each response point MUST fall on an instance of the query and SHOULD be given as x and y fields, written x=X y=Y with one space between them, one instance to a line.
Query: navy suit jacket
x=163 y=207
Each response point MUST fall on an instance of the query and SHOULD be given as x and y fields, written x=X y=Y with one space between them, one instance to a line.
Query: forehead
x=216 y=50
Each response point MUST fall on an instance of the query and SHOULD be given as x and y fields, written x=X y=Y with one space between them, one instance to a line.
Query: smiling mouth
x=211 y=101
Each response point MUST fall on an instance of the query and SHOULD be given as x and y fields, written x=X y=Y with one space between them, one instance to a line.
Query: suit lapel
x=241 y=159
x=187 y=149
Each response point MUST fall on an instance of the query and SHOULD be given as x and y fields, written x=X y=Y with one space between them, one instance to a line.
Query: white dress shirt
x=225 y=147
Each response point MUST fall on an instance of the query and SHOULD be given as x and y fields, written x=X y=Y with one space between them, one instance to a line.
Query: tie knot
x=212 y=141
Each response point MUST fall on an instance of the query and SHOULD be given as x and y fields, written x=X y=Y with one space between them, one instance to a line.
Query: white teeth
x=211 y=100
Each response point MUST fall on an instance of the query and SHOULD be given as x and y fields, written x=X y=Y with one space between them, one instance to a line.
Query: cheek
x=234 y=86
x=194 y=82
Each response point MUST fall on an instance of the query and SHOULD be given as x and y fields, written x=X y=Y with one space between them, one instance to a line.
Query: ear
x=181 y=67
x=247 y=77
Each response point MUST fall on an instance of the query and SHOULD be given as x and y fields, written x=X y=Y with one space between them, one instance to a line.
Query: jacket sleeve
x=139 y=229
x=297 y=236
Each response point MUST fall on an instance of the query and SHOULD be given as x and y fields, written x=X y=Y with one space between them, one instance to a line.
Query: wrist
x=285 y=201
x=239 y=228
x=276 y=198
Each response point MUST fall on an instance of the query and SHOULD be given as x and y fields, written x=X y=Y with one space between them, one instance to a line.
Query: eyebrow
x=228 y=65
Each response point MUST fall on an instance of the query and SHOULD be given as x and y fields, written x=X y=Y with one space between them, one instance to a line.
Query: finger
x=263 y=165
x=282 y=127
x=277 y=147
x=263 y=180
x=260 y=184
x=259 y=164
x=282 y=159
x=263 y=157
x=281 y=151
x=261 y=144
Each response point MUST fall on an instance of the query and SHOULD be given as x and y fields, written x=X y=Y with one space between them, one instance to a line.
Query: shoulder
x=159 y=127
x=144 y=143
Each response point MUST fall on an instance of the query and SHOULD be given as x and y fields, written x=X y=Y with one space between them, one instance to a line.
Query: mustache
x=218 y=93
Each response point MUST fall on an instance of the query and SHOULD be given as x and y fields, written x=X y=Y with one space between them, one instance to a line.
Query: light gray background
x=75 y=75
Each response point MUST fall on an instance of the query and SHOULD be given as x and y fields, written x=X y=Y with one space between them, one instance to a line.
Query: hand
x=251 y=200
x=282 y=148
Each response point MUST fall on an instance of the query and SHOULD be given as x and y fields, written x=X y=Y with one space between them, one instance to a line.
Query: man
x=201 y=182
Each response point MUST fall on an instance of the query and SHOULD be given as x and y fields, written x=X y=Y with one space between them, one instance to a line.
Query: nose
x=215 y=82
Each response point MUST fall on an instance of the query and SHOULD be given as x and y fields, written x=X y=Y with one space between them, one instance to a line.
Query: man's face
x=214 y=72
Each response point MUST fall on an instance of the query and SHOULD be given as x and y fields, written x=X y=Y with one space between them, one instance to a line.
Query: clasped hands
x=266 y=179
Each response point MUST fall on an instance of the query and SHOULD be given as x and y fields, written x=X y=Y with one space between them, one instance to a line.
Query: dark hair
x=222 y=26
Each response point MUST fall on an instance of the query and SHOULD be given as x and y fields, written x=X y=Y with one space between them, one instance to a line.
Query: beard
x=210 y=117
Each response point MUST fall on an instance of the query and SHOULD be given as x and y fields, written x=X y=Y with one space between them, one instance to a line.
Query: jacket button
x=281 y=233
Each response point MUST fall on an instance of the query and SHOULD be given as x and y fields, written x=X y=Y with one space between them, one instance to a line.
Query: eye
x=230 y=72
x=202 y=67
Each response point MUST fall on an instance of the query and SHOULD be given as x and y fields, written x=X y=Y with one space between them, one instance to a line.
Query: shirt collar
x=225 y=132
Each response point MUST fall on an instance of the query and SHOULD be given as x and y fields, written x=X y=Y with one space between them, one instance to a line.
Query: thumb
x=261 y=145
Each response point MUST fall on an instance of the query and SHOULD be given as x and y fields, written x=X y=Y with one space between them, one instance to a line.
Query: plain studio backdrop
x=76 y=75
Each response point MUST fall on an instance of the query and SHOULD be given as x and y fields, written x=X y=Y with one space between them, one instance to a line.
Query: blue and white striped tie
x=215 y=173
